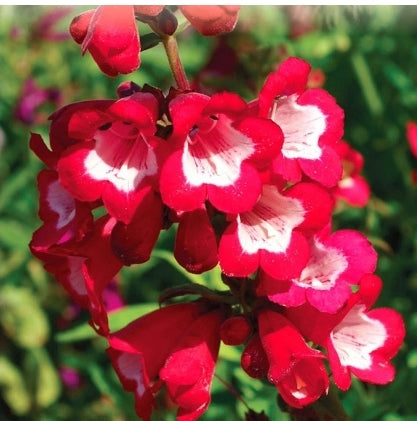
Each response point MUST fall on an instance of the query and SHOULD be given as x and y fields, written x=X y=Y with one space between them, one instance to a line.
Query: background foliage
x=368 y=56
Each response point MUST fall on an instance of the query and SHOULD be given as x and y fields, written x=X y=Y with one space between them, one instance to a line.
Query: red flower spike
x=180 y=350
x=196 y=243
x=211 y=20
x=294 y=368
x=110 y=34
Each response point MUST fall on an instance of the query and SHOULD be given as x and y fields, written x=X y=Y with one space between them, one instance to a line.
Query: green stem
x=171 y=49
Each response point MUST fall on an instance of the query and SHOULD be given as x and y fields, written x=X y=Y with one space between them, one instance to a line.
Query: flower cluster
x=249 y=187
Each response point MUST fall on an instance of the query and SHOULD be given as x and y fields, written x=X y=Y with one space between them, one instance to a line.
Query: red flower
x=273 y=234
x=295 y=369
x=217 y=150
x=73 y=247
x=110 y=151
x=110 y=34
x=311 y=121
x=359 y=340
x=176 y=346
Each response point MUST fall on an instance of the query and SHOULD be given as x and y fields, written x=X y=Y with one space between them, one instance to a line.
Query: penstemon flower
x=250 y=188
x=311 y=121
x=216 y=153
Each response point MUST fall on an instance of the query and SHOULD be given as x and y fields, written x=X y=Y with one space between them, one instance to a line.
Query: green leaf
x=14 y=234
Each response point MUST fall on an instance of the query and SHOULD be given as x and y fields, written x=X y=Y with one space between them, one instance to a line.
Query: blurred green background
x=52 y=365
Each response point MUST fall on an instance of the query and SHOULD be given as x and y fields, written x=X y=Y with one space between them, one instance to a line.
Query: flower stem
x=171 y=49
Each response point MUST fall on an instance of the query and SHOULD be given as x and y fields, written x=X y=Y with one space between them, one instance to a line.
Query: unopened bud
x=254 y=360
x=235 y=330
x=167 y=22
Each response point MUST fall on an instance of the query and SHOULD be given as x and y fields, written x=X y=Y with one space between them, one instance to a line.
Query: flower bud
x=254 y=360
x=167 y=22
x=235 y=330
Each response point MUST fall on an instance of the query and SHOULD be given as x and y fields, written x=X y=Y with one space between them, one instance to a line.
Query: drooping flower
x=296 y=369
x=110 y=34
x=359 y=340
x=336 y=263
x=216 y=153
x=311 y=121
x=177 y=346
x=273 y=235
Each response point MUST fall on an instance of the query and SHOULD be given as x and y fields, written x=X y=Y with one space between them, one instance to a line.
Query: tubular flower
x=359 y=340
x=215 y=154
x=110 y=34
x=176 y=346
x=113 y=153
x=335 y=263
x=273 y=235
x=295 y=369
x=311 y=121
